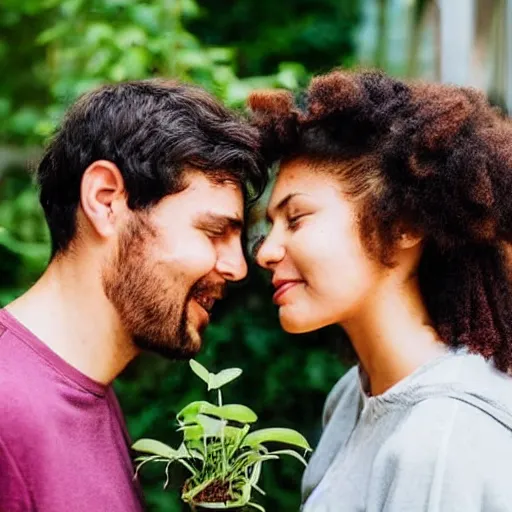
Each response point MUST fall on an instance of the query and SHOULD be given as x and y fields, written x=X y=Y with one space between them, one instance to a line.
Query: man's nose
x=231 y=263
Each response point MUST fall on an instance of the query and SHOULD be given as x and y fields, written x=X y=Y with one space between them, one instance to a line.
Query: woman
x=390 y=213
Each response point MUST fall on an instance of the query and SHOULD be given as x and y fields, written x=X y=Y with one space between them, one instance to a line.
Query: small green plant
x=223 y=457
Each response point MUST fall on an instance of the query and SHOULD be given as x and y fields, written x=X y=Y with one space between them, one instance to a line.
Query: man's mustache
x=216 y=290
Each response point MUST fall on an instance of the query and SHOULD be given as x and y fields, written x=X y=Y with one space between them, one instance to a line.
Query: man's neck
x=69 y=312
x=394 y=335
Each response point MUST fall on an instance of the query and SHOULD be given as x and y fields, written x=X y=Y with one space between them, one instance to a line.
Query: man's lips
x=202 y=300
x=282 y=286
x=202 y=314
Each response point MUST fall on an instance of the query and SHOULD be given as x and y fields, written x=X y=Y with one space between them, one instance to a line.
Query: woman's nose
x=270 y=252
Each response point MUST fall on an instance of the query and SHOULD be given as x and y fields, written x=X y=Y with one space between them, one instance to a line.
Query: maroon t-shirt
x=63 y=440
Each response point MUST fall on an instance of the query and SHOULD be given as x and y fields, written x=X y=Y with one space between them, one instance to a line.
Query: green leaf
x=255 y=476
x=189 y=9
x=218 y=506
x=130 y=36
x=292 y=453
x=145 y=16
x=189 y=413
x=224 y=377
x=26 y=249
x=98 y=32
x=211 y=426
x=236 y=439
x=157 y=448
x=230 y=412
x=256 y=506
x=193 y=59
x=220 y=55
x=276 y=435
x=200 y=370
x=192 y=432
x=53 y=33
x=254 y=457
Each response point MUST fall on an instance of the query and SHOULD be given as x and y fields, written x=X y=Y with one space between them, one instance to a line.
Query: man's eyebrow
x=280 y=206
x=224 y=221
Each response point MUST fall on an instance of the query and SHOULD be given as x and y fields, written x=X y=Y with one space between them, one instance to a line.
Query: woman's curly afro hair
x=433 y=159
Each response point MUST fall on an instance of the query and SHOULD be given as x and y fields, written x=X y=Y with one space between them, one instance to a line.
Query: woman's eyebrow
x=272 y=211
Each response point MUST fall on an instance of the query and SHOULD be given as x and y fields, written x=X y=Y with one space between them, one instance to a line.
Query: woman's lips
x=282 y=289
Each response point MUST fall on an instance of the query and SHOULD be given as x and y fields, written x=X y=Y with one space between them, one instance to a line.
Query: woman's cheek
x=314 y=246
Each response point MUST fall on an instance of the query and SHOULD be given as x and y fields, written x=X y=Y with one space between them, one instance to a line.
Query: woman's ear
x=408 y=240
x=103 y=197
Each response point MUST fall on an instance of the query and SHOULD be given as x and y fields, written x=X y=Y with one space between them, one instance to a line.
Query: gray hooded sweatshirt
x=440 y=440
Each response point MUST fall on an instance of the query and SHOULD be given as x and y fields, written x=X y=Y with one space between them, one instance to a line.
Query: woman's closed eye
x=294 y=221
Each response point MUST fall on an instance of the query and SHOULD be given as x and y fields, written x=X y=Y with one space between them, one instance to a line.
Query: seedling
x=222 y=455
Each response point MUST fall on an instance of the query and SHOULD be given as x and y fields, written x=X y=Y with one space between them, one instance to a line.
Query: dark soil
x=216 y=492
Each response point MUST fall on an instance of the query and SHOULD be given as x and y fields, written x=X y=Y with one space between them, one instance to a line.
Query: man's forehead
x=211 y=185
x=210 y=179
x=234 y=216
x=201 y=197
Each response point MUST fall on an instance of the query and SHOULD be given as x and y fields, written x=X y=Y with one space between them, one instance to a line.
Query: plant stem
x=224 y=458
x=224 y=461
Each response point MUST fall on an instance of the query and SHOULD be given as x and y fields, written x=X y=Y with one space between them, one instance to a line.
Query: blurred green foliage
x=318 y=34
x=51 y=51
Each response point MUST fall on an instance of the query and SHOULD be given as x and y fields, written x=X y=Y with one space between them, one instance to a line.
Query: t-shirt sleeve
x=459 y=462
x=14 y=496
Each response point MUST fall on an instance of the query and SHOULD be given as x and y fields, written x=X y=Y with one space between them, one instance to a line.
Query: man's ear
x=103 y=197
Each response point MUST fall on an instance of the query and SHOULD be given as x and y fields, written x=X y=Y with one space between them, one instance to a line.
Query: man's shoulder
x=22 y=388
x=19 y=407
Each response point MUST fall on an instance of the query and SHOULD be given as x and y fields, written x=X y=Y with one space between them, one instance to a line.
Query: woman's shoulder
x=453 y=427
x=447 y=451
x=345 y=393
x=448 y=414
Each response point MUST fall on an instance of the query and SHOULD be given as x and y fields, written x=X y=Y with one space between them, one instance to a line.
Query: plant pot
x=238 y=509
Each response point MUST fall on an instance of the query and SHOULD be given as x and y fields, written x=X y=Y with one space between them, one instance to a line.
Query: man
x=143 y=191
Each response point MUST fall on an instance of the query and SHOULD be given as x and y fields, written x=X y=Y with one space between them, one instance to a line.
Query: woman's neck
x=393 y=334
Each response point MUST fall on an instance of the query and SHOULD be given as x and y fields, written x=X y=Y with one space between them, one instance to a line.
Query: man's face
x=173 y=262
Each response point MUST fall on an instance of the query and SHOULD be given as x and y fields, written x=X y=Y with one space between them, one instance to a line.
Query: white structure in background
x=457 y=30
x=464 y=42
x=475 y=43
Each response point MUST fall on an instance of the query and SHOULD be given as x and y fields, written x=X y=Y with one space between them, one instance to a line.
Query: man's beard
x=151 y=303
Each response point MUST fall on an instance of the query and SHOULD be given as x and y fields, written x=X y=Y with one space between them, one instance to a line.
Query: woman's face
x=321 y=273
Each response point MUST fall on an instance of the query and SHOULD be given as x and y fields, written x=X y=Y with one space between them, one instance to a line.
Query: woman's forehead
x=301 y=175
x=299 y=180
